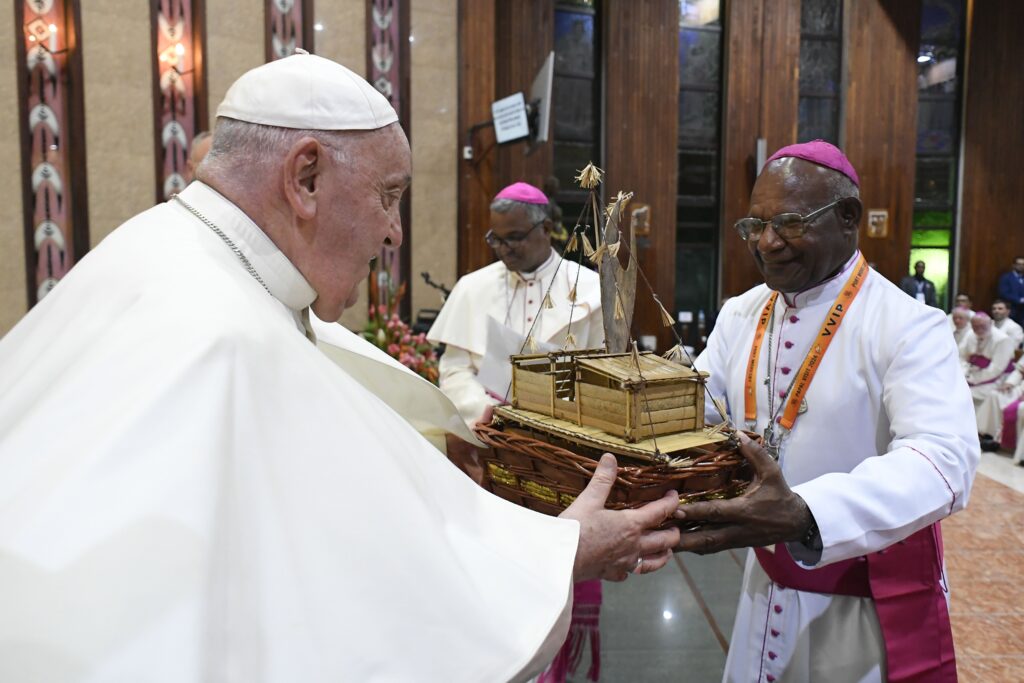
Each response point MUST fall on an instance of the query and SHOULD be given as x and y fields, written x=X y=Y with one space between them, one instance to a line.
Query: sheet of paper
x=495 y=372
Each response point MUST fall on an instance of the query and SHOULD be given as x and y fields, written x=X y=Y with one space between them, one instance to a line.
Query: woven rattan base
x=544 y=473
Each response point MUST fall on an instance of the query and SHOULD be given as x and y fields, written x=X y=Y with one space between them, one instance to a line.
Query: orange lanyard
x=812 y=362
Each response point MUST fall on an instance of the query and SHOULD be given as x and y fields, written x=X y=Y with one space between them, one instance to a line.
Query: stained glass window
x=698 y=198
x=821 y=50
x=576 y=99
x=938 y=141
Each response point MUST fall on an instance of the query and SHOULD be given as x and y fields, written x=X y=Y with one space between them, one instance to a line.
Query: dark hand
x=611 y=541
x=767 y=513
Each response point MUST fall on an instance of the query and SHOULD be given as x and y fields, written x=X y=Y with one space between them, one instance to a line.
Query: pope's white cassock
x=496 y=300
x=987 y=362
x=191 y=491
x=886 y=447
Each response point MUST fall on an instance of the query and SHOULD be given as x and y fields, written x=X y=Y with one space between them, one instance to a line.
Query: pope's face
x=357 y=216
x=793 y=185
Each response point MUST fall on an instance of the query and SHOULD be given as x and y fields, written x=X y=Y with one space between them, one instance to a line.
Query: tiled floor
x=985 y=562
x=675 y=625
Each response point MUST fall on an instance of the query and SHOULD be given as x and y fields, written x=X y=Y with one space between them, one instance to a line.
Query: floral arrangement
x=387 y=331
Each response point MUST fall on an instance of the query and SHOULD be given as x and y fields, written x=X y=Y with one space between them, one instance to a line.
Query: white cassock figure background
x=190 y=490
x=529 y=300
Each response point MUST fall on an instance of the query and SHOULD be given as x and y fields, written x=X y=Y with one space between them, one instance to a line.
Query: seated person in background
x=526 y=297
x=963 y=335
x=991 y=358
x=997 y=414
x=918 y=287
x=1005 y=324
x=962 y=301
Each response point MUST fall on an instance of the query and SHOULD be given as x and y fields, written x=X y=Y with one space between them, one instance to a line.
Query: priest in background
x=530 y=299
x=963 y=335
x=191 y=491
x=989 y=360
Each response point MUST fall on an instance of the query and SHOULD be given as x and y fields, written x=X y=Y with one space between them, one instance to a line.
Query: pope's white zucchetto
x=306 y=92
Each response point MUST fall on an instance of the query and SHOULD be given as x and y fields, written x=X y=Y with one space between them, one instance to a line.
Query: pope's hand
x=767 y=513
x=611 y=541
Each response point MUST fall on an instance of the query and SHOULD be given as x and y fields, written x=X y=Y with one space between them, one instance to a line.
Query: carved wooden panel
x=289 y=26
x=180 y=110
x=53 y=141
x=388 y=71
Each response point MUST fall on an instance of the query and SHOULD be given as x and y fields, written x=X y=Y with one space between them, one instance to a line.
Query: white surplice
x=998 y=349
x=887 y=446
x=1006 y=391
x=1011 y=329
x=514 y=301
x=191 y=491
x=965 y=343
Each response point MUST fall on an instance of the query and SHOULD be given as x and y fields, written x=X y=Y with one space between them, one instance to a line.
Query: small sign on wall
x=878 y=223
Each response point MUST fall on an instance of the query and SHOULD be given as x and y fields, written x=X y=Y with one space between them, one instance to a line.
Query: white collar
x=283 y=280
x=825 y=292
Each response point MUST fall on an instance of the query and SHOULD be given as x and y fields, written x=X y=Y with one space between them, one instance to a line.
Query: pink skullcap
x=821 y=153
x=523 y=192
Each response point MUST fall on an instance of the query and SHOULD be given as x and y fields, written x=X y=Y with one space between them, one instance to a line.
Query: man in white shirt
x=191 y=491
x=859 y=393
x=527 y=300
x=1005 y=324
x=989 y=360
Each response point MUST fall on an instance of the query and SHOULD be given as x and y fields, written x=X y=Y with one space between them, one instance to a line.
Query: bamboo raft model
x=567 y=407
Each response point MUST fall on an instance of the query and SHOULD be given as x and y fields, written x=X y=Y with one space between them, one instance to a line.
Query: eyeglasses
x=788 y=226
x=513 y=241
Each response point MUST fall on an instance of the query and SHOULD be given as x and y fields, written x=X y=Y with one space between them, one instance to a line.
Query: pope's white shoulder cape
x=191 y=491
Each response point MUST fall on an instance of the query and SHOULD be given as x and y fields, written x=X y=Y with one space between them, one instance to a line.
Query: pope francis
x=190 y=490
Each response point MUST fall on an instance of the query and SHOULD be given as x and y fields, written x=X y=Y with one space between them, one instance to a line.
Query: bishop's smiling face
x=792 y=185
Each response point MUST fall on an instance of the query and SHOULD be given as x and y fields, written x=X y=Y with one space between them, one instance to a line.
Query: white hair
x=535 y=213
x=252 y=145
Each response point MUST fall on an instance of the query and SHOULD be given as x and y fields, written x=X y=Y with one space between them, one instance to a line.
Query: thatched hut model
x=623 y=399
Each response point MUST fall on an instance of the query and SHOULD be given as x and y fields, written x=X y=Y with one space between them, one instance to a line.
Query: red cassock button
x=793 y=319
x=769 y=678
x=775 y=634
x=789 y=345
x=785 y=371
x=778 y=609
x=772 y=656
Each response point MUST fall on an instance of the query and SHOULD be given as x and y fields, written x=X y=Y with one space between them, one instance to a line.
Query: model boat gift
x=567 y=407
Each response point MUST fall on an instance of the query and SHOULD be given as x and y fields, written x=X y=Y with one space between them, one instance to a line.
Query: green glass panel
x=933 y=219
x=936 y=269
x=930 y=238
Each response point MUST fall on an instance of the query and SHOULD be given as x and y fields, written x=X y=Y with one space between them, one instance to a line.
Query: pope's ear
x=302 y=168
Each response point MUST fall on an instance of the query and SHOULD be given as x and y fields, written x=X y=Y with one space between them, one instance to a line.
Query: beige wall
x=119 y=121
x=234 y=44
x=434 y=83
x=13 y=299
x=118 y=96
